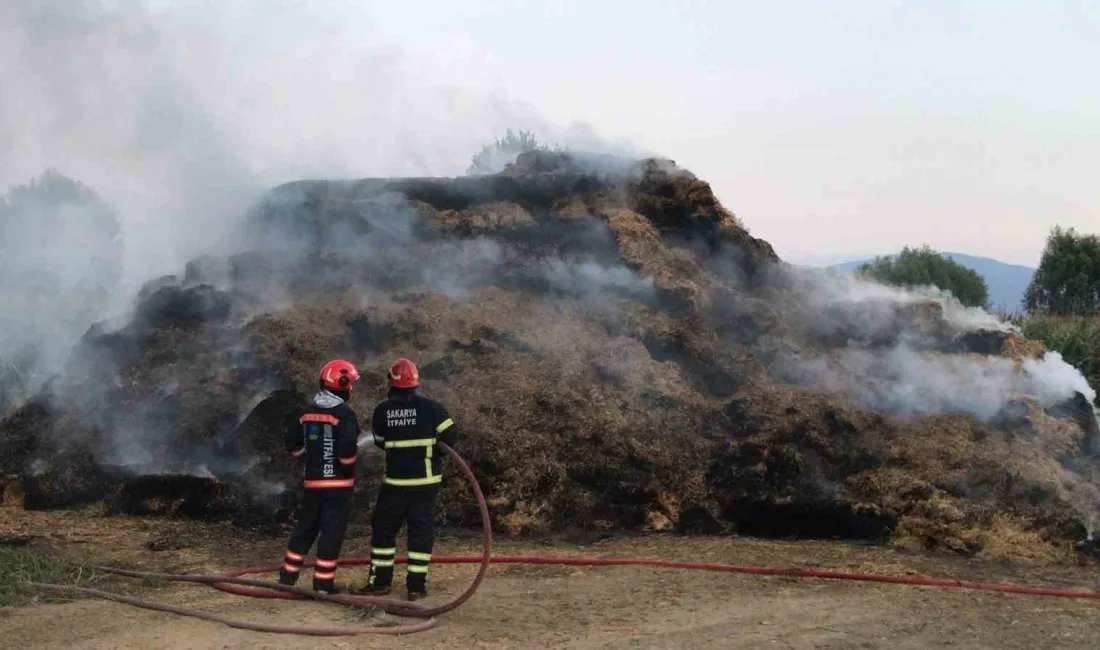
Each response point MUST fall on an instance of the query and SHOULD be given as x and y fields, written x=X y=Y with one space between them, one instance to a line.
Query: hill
x=618 y=352
x=1006 y=282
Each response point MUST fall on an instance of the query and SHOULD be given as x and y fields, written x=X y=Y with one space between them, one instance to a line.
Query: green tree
x=916 y=267
x=1068 y=278
x=492 y=158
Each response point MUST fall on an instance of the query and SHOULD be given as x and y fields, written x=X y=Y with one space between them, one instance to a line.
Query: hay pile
x=606 y=335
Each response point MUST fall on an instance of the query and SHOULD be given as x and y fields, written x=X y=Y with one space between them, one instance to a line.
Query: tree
x=915 y=267
x=1068 y=278
x=492 y=158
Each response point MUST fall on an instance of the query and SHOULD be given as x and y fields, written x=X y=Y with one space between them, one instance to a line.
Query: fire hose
x=231 y=582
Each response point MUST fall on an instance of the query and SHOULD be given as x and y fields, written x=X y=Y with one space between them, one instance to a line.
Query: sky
x=834 y=130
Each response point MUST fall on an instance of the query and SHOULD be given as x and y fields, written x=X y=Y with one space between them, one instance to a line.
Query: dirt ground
x=561 y=607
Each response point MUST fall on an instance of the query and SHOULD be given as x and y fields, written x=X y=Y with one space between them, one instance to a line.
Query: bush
x=917 y=267
x=492 y=158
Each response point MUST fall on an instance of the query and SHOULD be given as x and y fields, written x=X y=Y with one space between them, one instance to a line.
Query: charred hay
x=604 y=332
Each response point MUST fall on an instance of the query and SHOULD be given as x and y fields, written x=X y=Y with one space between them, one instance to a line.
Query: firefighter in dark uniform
x=407 y=425
x=324 y=437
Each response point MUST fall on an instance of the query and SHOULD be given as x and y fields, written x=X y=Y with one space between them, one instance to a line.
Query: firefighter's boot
x=370 y=590
x=288 y=575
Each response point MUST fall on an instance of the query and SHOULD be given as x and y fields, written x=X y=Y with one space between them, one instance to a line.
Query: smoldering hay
x=620 y=354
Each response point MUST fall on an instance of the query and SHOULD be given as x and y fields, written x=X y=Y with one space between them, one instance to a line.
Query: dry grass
x=1010 y=538
x=1019 y=348
x=484 y=217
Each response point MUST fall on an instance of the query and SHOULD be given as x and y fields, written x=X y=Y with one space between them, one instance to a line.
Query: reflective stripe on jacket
x=407 y=426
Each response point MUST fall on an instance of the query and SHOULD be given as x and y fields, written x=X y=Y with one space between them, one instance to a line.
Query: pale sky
x=833 y=129
x=829 y=127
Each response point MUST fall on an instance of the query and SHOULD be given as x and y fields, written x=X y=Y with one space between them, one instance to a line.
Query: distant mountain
x=1006 y=282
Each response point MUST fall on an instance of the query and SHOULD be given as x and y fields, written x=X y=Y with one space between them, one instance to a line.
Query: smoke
x=60 y=260
x=824 y=290
x=147 y=441
x=904 y=351
x=591 y=281
x=906 y=382
x=373 y=240
x=181 y=115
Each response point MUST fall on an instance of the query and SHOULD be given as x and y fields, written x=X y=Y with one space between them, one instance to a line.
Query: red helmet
x=403 y=374
x=338 y=375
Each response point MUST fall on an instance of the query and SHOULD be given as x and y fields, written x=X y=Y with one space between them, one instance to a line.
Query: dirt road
x=555 y=607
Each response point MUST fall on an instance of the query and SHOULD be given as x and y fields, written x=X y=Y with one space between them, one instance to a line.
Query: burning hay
x=621 y=355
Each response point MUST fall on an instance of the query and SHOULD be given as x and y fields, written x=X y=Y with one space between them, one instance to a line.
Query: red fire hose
x=232 y=582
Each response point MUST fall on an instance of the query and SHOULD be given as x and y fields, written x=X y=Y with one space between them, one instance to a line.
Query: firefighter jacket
x=407 y=426
x=324 y=437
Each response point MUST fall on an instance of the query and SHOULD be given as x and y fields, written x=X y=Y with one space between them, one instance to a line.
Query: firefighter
x=407 y=426
x=325 y=438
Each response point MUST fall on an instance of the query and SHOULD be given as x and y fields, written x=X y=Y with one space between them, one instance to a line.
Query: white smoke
x=890 y=362
x=181 y=114
x=60 y=259
x=906 y=382
x=830 y=288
